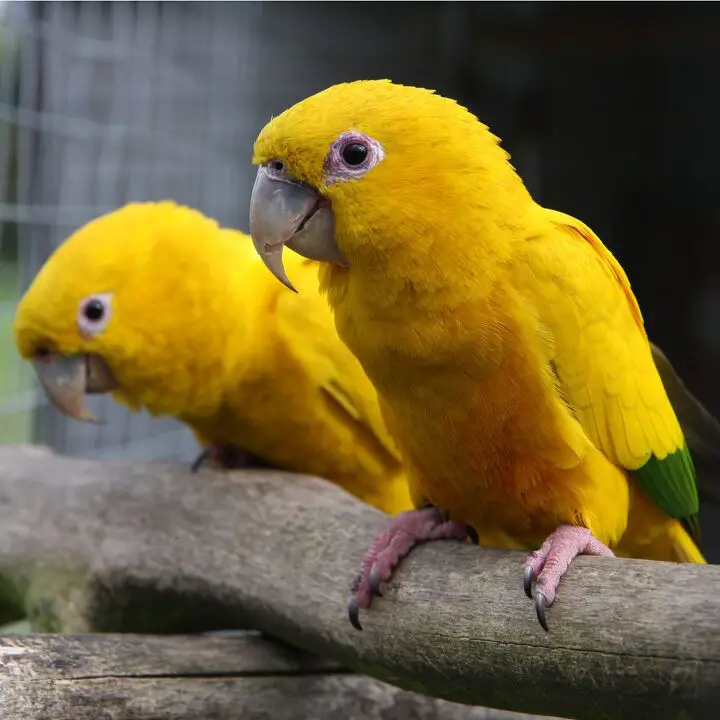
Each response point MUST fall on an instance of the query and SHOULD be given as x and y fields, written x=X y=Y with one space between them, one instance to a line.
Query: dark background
x=610 y=111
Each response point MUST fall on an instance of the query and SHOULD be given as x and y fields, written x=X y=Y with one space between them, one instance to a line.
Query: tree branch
x=141 y=677
x=109 y=546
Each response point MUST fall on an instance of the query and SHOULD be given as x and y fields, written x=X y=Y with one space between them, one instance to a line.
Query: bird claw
x=201 y=459
x=375 y=580
x=528 y=577
x=540 y=600
x=472 y=534
x=354 y=613
x=228 y=457
x=540 y=607
x=550 y=562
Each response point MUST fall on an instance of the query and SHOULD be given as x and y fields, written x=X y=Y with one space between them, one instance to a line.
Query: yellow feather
x=201 y=332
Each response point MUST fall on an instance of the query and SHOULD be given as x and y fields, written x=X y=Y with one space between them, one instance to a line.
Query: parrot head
x=341 y=168
x=131 y=303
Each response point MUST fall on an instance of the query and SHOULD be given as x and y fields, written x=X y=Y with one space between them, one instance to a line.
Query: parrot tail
x=673 y=544
x=652 y=535
x=681 y=544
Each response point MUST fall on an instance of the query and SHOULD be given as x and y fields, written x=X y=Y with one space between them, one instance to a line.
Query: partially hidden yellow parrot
x=168 y=311
x=507 y=347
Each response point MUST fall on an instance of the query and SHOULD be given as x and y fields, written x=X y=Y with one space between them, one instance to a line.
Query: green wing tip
x=671 y=485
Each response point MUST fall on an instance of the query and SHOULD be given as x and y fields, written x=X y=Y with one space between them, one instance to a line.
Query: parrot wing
x=306 y=322
x=604 y=362
x=701 y=429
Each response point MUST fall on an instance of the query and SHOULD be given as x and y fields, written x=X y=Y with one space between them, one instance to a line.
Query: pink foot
x=407 y=529
x=551 y=561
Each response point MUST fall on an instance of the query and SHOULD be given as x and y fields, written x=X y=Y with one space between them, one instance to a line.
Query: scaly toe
x=354 y=613
x=540 y=607
x=528 y=577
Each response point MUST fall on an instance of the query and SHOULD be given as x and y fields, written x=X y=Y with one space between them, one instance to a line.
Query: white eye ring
x=94 y=314
x=336 y=167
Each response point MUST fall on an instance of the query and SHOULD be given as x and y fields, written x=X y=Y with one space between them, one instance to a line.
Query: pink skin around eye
x=337 y=170
x=89 y=327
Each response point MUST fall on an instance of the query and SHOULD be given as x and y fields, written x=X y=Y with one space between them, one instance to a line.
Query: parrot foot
x=407 y=529
x=228 y=458
x=551 y=561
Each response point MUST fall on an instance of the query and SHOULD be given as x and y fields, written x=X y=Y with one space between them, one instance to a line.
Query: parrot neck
x=441 y=262
x=435 y=292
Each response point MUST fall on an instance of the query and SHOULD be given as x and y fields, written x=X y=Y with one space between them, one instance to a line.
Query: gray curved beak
x=66 y=379
x=286 y=212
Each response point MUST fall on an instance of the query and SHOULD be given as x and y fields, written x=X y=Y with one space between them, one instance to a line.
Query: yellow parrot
x=506 y=345
x=168 y=311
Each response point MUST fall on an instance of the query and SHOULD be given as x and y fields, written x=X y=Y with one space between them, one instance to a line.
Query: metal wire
x=106 y=103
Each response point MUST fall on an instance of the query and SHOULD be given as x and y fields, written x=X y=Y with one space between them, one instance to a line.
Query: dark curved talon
x=375 y=580
x=540 y=606
x=528 y=577
x=200 y=459
x=354 y=613
x=472 y=534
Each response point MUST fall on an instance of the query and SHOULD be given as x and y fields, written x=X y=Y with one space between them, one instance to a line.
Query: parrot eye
x=94 y=313
x=354 y=153
x=351 y=156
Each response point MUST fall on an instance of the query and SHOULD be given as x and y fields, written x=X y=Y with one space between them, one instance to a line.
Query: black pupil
x=354 y=153
x=94 y=310
x=277 y=165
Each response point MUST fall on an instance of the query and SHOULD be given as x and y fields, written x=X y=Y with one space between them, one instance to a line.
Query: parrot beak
x=283 y=212
x=66 y=379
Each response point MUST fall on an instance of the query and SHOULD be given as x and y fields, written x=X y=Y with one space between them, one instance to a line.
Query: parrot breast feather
x=604 y=363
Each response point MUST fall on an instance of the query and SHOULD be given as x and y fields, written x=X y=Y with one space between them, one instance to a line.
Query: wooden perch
x=138 y=677
x=98 y=546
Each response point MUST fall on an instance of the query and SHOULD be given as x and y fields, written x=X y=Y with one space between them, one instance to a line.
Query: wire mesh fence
x=113 y=102
x=106 y=103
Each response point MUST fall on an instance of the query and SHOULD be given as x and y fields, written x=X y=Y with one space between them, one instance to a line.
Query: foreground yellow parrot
x=159 y=305
x=507 y=347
